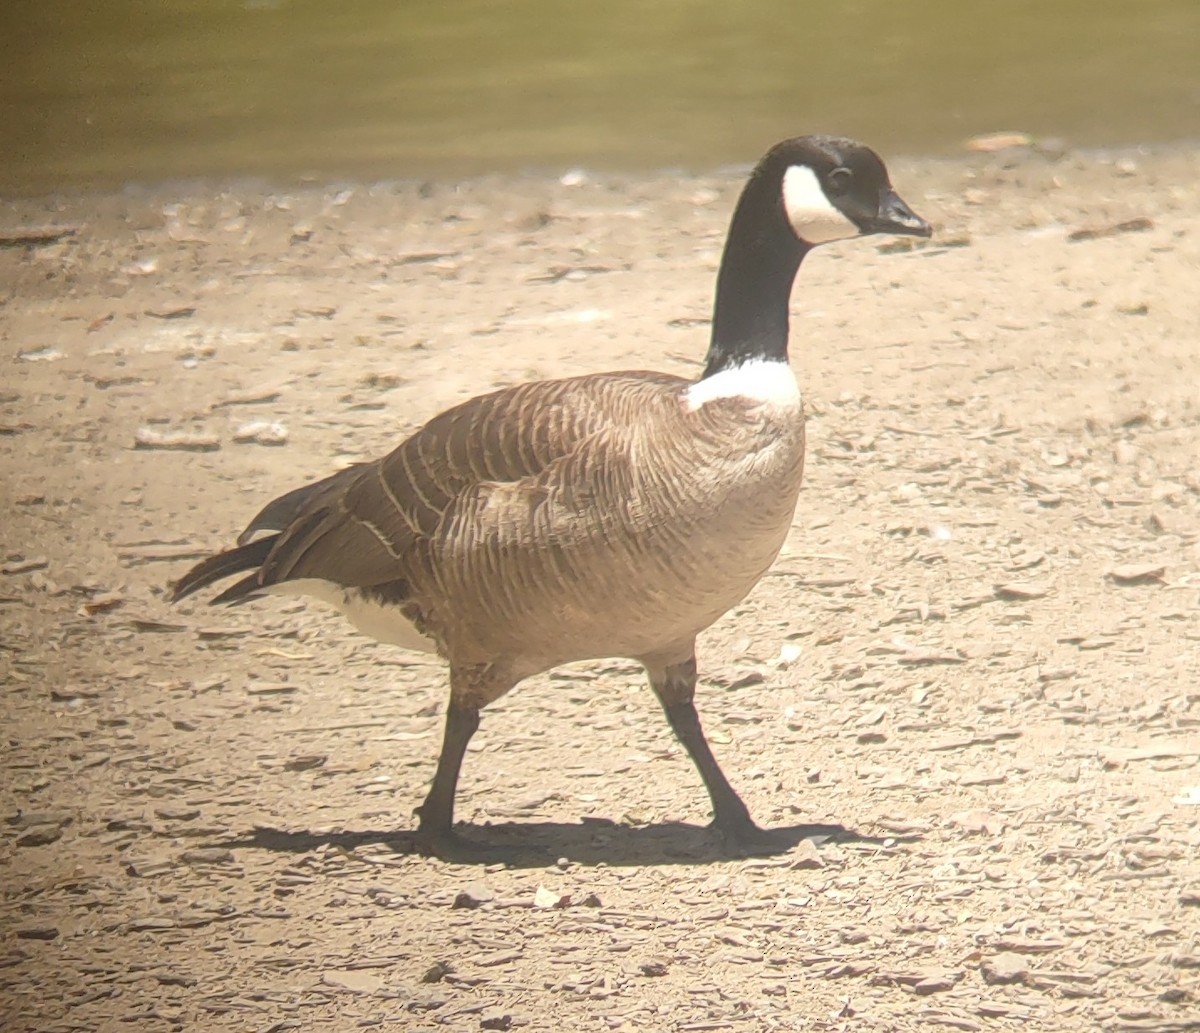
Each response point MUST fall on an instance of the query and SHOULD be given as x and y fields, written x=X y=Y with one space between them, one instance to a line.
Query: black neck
x=761 y=259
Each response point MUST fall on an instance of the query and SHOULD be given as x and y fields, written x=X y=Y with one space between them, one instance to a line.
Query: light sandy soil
x=979 y=653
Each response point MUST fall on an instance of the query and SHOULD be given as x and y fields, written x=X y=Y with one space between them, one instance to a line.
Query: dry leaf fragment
x=547 y=898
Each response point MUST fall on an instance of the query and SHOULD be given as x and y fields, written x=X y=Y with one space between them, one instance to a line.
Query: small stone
x=472 y=897
x=1004 y=968
x=21 y=565
x=37 y=932
x=357 y=981
x=40 y=835
x=1137 y=573
x=305 y=762
x=436 y=972
x=988 y=143
x=806 y=855
x=177 y=813
x=654 y=967
x=1013 y=590
x=167 y=978
x=207 y=855
x=548 y=898
x=934 y=985
x=261 y=432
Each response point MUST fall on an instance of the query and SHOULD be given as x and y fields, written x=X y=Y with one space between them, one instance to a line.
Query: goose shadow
x=590 y=842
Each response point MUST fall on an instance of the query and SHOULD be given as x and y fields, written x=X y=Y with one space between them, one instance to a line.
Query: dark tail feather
x=247 y=588
x=280 y=513
x=223 y=565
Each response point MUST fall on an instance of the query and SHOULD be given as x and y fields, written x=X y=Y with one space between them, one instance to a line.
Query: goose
x=614 y=514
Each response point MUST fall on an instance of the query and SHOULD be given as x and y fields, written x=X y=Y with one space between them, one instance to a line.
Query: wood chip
x=149 y=552
x=261 y=432
x=1138 y=225
x=178 y=312
x=21 y=565
x=35 y=236
x=988 y=143
x=255 y=396
x=175 y=441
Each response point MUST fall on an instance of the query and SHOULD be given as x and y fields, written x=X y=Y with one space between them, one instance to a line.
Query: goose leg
x=471 y=689
x=675 y=686
x=435 y=826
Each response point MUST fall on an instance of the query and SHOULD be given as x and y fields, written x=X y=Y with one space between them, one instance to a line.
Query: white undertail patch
x=768 y=381
x=383 y=623
x=813 y=216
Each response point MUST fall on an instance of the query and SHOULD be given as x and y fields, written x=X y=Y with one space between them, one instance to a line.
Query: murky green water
x=95 y=94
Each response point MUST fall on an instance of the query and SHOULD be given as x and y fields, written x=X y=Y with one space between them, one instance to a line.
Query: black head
x=832 y=188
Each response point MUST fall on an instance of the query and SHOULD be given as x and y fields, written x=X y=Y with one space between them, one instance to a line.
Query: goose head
x=806 y=191
x=831 y=188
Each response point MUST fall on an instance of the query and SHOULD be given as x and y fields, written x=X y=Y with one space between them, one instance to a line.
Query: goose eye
x=839 y=181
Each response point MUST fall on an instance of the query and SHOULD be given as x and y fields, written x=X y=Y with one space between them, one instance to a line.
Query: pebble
x=207 y=855
x=1004 y=968
x=37 y=932
x=40 y=835
x=471 y=897
x=806 y=856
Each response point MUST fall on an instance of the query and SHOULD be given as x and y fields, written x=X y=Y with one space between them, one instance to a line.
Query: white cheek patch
x=767 y=381
x=812 y=215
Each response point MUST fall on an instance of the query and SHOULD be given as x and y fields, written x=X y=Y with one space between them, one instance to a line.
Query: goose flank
x=608 y=515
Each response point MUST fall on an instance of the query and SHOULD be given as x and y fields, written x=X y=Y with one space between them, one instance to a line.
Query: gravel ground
x=976 y=663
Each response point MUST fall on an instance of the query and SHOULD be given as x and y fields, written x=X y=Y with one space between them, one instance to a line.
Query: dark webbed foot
x=741 y=837
x=448 y=845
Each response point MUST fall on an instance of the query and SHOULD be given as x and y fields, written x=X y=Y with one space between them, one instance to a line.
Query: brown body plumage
x=615 y=514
